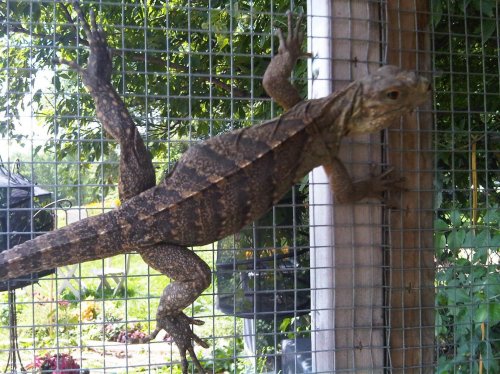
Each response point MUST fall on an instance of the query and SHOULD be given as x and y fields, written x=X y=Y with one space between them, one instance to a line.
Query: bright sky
x=29 y=125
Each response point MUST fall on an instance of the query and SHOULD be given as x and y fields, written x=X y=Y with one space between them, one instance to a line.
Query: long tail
x=89 y=239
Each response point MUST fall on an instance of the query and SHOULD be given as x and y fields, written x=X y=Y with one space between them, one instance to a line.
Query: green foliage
x=468 y=293
x=107 y=326
x=200 y=76
x=4 y=316
x=480 y=13
x=296 y=327
x=223 y=356
x=467 y=238
x=466 y=99
x=180 y=89
x=466 y=278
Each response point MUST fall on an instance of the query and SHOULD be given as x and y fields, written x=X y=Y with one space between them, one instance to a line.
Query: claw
x=276 y=79
x=92 y=20
x=282 y=43
x=81 y=17
x=294 y=38
x=99 y=64
x=374 y=171
x=385 y=181
x=296 y=30
x=291 y=33
x=178 y=327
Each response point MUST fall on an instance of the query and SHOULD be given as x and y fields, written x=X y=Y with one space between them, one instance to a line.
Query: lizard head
x=384 y=96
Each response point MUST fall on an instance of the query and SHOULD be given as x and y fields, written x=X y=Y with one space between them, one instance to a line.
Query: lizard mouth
x=371 y=124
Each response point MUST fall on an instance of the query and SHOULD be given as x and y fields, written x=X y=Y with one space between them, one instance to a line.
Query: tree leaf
x=455 y=239
x=488 y=312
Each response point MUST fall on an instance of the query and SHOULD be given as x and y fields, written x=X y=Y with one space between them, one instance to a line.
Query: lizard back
x=224 y=183
x=217 y=187
x=221 y=184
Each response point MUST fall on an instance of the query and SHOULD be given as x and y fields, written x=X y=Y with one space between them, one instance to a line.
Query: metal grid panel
x=192 y=72
x=347 y=284
x=186 y=71
x=466 y=60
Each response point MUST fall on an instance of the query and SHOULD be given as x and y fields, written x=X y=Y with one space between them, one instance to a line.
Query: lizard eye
x=393 y=95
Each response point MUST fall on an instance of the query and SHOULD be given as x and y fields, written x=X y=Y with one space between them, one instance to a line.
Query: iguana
x=219 y=185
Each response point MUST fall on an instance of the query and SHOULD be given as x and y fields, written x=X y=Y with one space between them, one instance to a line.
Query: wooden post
x=357 y=233
x=355 y=326
x=411 y=271
x=348 y=317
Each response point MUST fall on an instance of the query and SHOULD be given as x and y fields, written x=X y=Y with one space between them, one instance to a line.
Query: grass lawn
x=60 y=323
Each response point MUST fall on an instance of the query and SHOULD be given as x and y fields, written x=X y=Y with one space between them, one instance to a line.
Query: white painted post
x=320 y=198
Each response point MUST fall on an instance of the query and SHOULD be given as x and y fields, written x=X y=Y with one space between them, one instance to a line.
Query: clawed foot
x=276 y=80
x=346 y=191
x=293 y=42
x=178 y=327
x=387 y=181
x=99 y=64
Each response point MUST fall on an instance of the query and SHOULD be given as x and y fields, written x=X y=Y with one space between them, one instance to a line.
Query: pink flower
x=59 y=364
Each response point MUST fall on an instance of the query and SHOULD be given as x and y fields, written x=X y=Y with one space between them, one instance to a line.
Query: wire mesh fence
x=466 y=112
x=409 y=284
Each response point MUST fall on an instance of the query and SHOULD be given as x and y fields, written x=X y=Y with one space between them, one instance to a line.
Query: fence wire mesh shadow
x=407 y=284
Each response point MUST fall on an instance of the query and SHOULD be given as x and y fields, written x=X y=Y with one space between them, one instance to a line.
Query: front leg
x=190 y=276
x=346 y=190
x=276 y=80
x=137 y=173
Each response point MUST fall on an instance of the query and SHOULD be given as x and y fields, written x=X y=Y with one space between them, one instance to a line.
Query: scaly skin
x=219 y=185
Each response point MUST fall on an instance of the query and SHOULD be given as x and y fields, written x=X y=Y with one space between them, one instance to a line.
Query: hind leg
x=190 y=276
